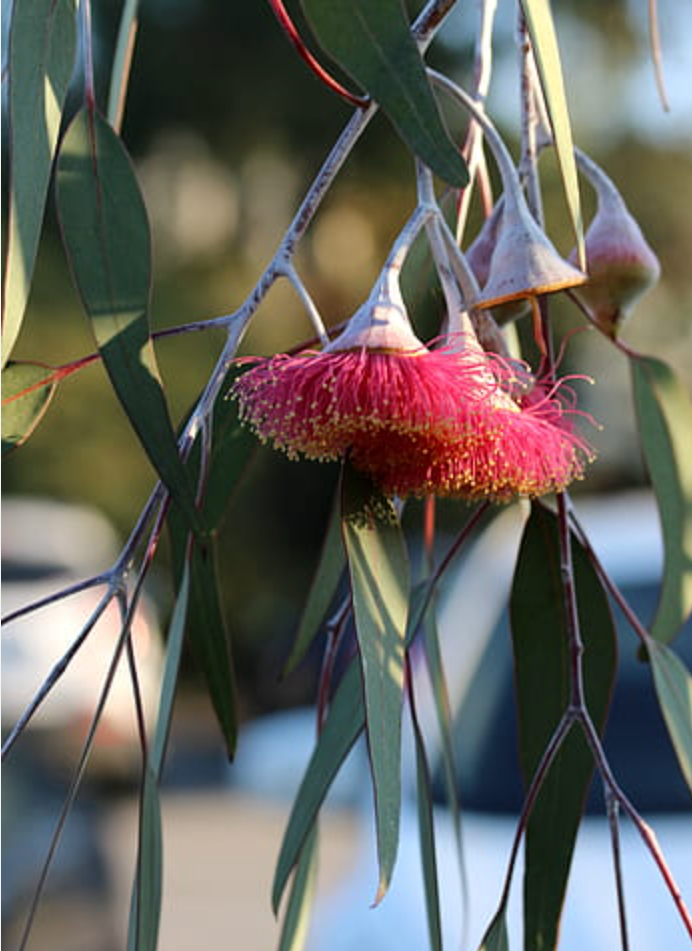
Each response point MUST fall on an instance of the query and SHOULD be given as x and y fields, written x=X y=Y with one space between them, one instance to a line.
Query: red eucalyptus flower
x=419 y=421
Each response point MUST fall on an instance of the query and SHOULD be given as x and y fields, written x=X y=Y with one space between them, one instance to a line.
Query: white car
x=624 y=531
x=47 y=546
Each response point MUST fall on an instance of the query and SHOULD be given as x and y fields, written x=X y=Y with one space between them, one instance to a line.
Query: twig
x=606 y=579
x=612 y=810
x=655 y=37
x=76 y=781
x=55 y=674
x=473 y=145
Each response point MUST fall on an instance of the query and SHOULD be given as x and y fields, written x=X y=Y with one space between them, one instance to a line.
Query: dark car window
x=636 y=739
x=21 y=572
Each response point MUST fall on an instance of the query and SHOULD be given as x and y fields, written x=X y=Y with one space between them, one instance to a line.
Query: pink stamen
x=420 y=422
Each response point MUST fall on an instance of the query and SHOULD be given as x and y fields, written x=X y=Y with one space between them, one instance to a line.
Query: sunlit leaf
x=495 y=938
x=674 y=691
x=539 y=19
x=41 y=60
x=373 y=43
x=542 y=675
x=664 y=412
x=295 y=926
x=378 y=567
x=106 y=235
x=330 y=568
x=25 y=398
x=344 y=722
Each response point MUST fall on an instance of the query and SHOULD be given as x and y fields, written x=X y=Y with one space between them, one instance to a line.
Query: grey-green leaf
x=542 y=676
x=145 y=913
x=145 y=910
x=330 y=568
x=27 y=389
x=209 y=639
x=373 y=43
x=541 y=27
x=344 y=723
x=41 y=60
x=495 y=938
x=230 y=451
x=106 y=236
x=295 y=926
x=378 y=565
x=426 y=832
x=233 y=448
x=674 y=691
x=664 y=412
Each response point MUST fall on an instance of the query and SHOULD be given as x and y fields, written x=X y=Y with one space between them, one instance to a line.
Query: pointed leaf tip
x=27 y=390
x=378 y=566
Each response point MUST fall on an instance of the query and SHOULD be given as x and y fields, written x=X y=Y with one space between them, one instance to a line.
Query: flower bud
x=479 y=255
x=524 y=262
x=620 y=264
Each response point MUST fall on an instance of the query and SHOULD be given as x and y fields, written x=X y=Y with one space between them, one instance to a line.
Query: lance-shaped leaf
x=426 y=833
x=106 y=235
x=210 y=640
x=233 y=447
x=145 y=909
x=373 y=43
x=206 y=624
x=325 y=581
x=295 y=926
x=664 y=412
x=539 y=19
x=542 y=674
x=27 y=389
x=378 y=566
x=495 y=938
x=230 y=451
x=443 y=710
x=41 y=60
x=674 y=691
x=344 y=723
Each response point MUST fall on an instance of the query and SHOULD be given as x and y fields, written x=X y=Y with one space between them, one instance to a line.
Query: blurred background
x=227 y=128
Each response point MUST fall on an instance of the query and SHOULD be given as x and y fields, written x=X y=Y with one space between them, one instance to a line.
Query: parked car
x=624 y=531
x=48 y=546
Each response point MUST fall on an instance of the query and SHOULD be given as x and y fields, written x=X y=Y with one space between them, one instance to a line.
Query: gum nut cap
x=525 y=263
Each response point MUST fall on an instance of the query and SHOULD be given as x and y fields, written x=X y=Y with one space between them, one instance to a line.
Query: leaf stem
x=122 y=62
x=88 y=51
x=325 y=77
x=473 y=144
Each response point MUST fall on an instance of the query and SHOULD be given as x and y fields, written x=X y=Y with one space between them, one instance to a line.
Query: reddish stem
x=294 y=36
